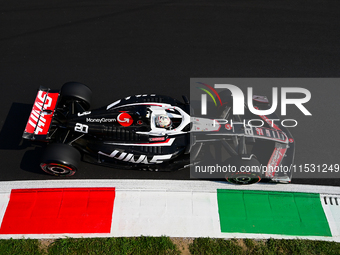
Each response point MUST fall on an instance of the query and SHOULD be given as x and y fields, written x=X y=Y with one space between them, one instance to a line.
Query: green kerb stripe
x=263 y=212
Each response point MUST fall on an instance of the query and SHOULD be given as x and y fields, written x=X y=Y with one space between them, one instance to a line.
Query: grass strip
x=164 y=245
x=206 y=246
x=20 y=247
x=120 y=245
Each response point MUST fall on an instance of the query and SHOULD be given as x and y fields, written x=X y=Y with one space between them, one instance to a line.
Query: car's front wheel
x=245 y=171
x=244 y=178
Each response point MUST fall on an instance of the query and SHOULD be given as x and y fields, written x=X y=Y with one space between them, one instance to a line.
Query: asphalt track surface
x=119 y=48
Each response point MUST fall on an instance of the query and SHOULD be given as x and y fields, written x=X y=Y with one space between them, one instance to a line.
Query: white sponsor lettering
x=270 y=122
x=141 y=159
x=100 y=120
x=81 y=128
x=42 y=96
x=83 y=113
x=37 y=120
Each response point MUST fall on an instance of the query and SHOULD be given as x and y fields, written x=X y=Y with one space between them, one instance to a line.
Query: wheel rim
x=243 y=179
x=57 y=169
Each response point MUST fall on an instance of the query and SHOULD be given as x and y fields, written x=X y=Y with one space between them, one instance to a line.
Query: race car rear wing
x=39 y=121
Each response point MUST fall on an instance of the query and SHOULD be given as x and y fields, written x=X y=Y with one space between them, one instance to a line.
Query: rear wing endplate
x=39 y=121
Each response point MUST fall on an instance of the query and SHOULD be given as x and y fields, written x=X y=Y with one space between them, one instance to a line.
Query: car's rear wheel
x=76 y=92
x=60 y=160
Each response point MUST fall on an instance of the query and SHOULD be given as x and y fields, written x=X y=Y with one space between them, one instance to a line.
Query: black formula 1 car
x=129 y=134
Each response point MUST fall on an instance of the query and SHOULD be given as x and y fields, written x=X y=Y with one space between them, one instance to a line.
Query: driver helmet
x=163 y=121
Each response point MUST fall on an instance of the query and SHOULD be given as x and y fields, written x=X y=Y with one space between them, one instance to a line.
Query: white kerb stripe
x=332 y=212
x=176 y=214
x=4 y=199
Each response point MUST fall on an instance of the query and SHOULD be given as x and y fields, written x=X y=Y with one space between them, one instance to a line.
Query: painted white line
x=51 y=236
x=331 y=207
x=4 y=199
x=166 y=185
x=220 y=235
x=268 y=236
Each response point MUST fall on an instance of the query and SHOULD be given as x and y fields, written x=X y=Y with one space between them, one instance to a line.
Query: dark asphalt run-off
x=123 y=48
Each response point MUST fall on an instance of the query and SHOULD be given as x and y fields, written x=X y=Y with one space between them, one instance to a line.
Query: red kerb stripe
x=58 y=211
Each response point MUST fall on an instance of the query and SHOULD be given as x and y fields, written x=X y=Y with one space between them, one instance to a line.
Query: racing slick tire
x=74 y=91
x=247 y=171
x=60 y=160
